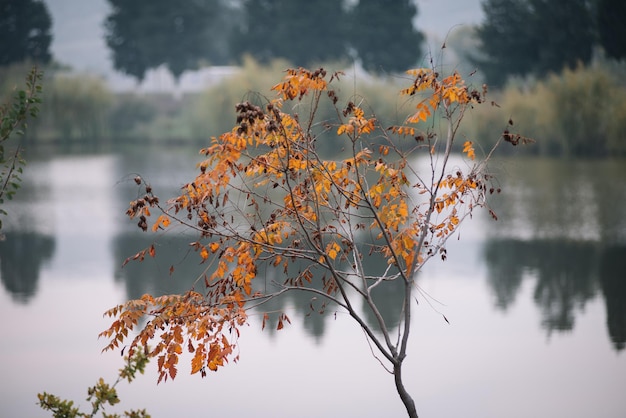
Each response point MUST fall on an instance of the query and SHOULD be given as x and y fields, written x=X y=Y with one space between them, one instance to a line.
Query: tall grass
x=578 y=113
x=76 y=108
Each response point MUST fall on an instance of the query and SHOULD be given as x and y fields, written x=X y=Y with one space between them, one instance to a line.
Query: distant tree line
x=537 y=37
x=517 y=37
x=144 y=34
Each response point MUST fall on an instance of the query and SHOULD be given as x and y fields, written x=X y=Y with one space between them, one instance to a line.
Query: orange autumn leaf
x=197 y=362
x=422 y=114
x=469 y=149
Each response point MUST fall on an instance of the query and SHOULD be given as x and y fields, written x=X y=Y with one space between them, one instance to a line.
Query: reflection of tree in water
x=565 y=280
x=613 y=283
x=505 y=270
x=153 y=276
x=311 y=308
x=564 y=271
x=551 y=198
x=387 y=296
x=21 y=257
x=568 y=275
x=315 y=310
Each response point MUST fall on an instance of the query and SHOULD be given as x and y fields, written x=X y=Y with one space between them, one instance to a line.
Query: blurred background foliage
x=560 y=80
x=580 y=112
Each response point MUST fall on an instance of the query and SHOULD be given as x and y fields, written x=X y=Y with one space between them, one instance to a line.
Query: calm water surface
x=536 y=304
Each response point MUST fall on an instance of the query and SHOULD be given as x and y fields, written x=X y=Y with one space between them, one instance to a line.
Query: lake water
x=536 y=304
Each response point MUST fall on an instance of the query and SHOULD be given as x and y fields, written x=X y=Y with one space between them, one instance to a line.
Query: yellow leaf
x=423 y=112
x=368 y=127
x=347 y=128
x=332 y=249
x=469 y=149
x=161 y=220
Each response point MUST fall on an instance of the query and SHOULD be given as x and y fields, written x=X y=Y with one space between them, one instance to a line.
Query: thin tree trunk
x=407 y=400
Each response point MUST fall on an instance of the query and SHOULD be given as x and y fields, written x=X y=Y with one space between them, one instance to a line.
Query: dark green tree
x=303 y=32
x=565 y=33
x=505 y=40
x=143 y=35
x=24 y=31
x=522 y=37
x=611 y=28
x=384 y=37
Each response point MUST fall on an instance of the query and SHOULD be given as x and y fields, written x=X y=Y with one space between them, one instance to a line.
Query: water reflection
x=22 y=255
x=547 y=198
x=307 y=308
x=176 y=269
x=611 y=270
x=559 y=224
x=562 y=224
x=67 y=237
x=315 y=311
x=27 y=240
x=567 y=274
x=387 y=295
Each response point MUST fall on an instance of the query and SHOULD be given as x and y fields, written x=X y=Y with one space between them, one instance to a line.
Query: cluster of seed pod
x=138 y=206
x=320 y=72
x=247 y=115
x=272 y=125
